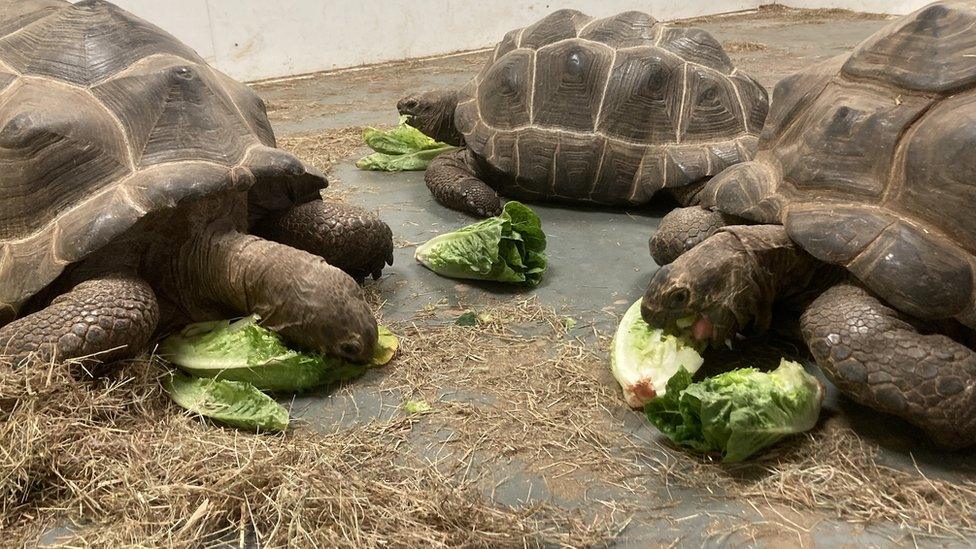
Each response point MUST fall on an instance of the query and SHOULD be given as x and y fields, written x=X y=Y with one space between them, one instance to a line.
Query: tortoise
x=862 y=195
x=141 y=189
x=582 y=110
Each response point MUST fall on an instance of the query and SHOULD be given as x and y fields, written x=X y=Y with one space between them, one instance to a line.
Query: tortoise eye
x=678 y=298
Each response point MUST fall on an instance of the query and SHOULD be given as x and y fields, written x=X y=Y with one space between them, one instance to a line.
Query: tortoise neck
x=445 y=130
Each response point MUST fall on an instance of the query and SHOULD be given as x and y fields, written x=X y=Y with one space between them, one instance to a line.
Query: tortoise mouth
x=702 y=329
x=699 y=327
x=716 y=326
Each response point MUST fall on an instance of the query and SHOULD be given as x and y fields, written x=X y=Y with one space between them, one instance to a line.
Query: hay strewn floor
x=114 y=457
x=323 y=149
x=779 y=11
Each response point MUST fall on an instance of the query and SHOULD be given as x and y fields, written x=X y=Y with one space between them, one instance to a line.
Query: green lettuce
x=507 y=248
x=246 y=351
x=415 y=161
x=233 y=403
x=643 y=358
x=737 y=413
x=400 y=149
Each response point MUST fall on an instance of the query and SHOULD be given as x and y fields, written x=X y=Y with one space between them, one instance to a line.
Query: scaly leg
x=113 y=317
x=684 y=228
x=452 y=180
x=878 y=359
x=347 y=237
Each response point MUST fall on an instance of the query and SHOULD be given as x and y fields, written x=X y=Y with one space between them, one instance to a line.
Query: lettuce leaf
x=643 y=358
x=507 y=248
x=246 y=351
x=412 y=161
x=233 y=403
x=400 y=149
x=737 y=413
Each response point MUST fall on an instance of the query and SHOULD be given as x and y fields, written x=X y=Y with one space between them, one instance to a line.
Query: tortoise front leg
x=347 y=237
x=878 y=359
x=113 y=317
x=684 y=228
x=453 y=182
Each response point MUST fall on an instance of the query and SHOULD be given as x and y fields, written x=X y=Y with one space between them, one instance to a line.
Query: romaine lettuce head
x=643 y=358
x=740 y=412
x=233 y=403
x=246 y=351
x=401 y=148
x=507 y=248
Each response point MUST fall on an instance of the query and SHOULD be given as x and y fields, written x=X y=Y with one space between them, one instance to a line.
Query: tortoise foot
x=107 y=319
x=746 y=190
x=684 y=228
x=348 y=237
x=455 y=185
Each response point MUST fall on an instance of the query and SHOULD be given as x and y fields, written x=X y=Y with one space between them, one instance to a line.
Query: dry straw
x=113 y=457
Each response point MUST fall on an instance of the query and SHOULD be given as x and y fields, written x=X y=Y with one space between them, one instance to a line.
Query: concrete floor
x=599 y=262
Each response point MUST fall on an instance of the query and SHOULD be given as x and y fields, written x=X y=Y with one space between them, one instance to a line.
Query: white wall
x=256 y=39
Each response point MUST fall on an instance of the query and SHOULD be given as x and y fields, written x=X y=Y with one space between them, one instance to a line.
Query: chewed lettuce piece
x=411 y=161
x=233 y=403
x=246 y=351
x=387 y=345
x=644 y=358
x=402 y=139
x=738 y=413
x=506 y=248
x=402 y=148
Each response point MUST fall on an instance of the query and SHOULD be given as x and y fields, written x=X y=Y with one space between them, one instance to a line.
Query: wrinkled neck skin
x=433 y=113
x=772 y=271
x=150 y=248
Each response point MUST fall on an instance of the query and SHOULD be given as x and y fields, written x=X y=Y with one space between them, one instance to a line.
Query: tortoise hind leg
x=684 y=228
x=113 y=317
x=452 y=181
x=878 y=359
x=347 y=237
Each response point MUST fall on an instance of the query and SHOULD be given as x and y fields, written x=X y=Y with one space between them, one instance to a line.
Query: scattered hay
x=119 y=464
x=324 y=149
x=834 y=470
x=780 y=12
x=542 y=395
x=114 y=457
x=554 y=407
x=741 y=47
x=282 y=110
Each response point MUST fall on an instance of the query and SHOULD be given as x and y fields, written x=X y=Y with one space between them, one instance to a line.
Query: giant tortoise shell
x=608 y=110
x=105 y=118
x=868 y=160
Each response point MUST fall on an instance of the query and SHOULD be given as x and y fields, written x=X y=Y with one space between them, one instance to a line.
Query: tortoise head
x=432 y=112
x=707 y=290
